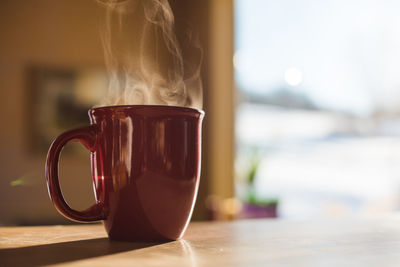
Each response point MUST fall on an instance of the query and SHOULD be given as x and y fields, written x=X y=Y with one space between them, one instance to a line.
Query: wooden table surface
x=347 y=242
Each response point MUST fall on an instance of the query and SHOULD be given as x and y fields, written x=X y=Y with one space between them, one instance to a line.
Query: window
x=319 y=105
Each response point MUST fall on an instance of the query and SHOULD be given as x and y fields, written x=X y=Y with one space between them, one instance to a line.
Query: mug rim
x=127 y=107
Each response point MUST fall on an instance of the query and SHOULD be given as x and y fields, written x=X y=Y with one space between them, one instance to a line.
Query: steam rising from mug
x=144 y=59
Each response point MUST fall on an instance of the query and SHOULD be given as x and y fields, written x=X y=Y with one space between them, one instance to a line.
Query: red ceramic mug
x=145 y=163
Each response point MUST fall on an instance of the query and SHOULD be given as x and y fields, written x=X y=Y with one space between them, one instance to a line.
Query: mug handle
x=87 y=137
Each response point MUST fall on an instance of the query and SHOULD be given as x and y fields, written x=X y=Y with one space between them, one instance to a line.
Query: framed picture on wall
x=58 y=99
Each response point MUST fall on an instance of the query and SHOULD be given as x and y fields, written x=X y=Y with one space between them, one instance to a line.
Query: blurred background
x=302 y=102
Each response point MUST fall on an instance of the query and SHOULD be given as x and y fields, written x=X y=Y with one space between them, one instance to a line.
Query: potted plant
x=255 y=206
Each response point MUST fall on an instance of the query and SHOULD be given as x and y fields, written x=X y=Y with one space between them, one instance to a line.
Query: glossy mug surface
x=145 y=163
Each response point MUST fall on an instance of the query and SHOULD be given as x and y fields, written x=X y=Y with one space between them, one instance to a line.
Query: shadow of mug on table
x=47 y=254
x=145 y=163
x=180 y=252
